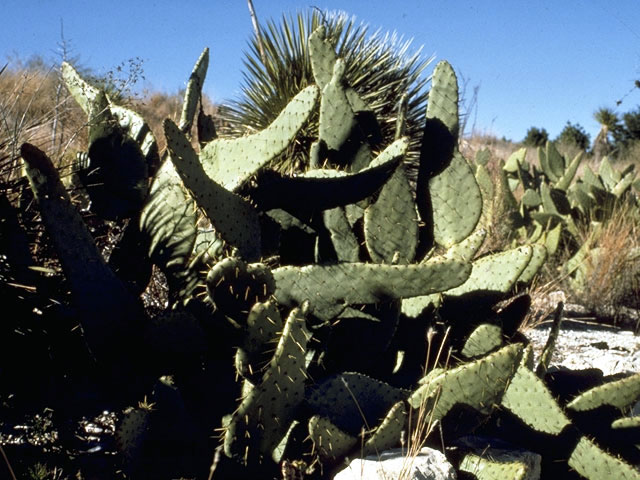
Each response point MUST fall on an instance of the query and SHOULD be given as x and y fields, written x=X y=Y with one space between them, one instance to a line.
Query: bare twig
x=6 y=460
x=256 y=29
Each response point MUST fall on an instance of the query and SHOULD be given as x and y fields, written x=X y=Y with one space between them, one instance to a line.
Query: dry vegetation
x=35 y=107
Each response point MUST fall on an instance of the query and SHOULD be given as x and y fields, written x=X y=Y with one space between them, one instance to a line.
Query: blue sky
x=536 y=63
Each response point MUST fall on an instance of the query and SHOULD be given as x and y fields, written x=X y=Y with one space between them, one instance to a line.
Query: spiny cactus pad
x=497 y=272
x=235 y=286
x=168 y=221
x=329 y=441
x=479 y=384
x=530 y=400
x=389 y=432
x=235 y=219
x=391 y=222
x=467 y=248
x=482 y=340
x=266 y=411
x=593 y=463
x=231 y=162
x=353 y=401
x=193 y=92
x=619 y=393
x=456 y=201
x=132 y=432
x=108 y=311
x=322 y=55
x=491 y=467
x=363 y=283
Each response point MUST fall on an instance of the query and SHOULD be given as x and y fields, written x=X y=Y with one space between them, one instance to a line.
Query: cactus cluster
x=299 y=304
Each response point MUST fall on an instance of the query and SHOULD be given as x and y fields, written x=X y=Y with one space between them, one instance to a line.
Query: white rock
x=394 y=464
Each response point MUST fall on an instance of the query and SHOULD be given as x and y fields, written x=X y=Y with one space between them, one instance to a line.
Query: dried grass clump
x=36 y=108
x=613 y=265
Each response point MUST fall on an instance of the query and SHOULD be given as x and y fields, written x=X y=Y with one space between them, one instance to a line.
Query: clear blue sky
x=537 y=63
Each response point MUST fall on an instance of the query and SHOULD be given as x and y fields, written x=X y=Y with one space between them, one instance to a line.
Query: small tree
x=574 y=136
x=536 y=137
x=627 y=132
x=632 y=124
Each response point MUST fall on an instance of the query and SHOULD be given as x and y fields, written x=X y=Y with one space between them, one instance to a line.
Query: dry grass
x=156 y=106
x=35 y=108
x=421 y=422
x=500 y=149
x=612 y=266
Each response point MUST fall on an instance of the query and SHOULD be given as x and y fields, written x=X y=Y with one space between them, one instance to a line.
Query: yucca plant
x=609 y=122
x=379 y=67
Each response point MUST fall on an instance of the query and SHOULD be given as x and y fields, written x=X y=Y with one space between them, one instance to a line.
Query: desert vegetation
x=322 y=269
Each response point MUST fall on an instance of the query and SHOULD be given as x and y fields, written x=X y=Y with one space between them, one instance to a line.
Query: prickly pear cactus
x=266 y=410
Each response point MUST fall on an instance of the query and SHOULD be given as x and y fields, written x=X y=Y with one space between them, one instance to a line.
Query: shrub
x=536 y=137
x=574 y=135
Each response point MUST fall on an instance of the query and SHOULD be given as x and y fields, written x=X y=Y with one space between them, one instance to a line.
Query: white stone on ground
x=581 y=346
x=394 y=464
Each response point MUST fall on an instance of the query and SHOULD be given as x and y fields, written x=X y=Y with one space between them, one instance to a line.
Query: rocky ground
x=584 y=344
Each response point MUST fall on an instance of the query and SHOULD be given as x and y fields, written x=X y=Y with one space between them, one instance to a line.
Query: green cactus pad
x=456 y=202
x=443 y=97
x=194 y=91
x=509 y=202
x=593 y=463
x=529 y=399
x=609 y=176
x=133 y=124
x=531 y=198
x=624 y=184
x=497 y=273
x=478 y=384
x=391 y=222
x=266 y=411
x=353 y=401
x=552 y=162
x=235 y=286
x=389 y=432
x=564 y=182
x=515 y=161
x=487 y=190
x=337 y=118
x=330 y=443
x=414 y=306
x=108 y=311
x=538 y=257
x=132 y=432
x=467 y=248
x=168 y=220
x=320 y=189
x=363 y=283
x=83 y=93
x=626 y=422
x=490 y=466
x=235 y=219
x=590 y=178
x=264 y=323
x=116 y=174
x=230 y=162
x=322 y=55
x=344 y=240
x=619 y=393
x=483 y=339
x=551 y=239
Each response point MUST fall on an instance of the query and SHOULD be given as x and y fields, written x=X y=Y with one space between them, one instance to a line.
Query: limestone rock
x=429 y=464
